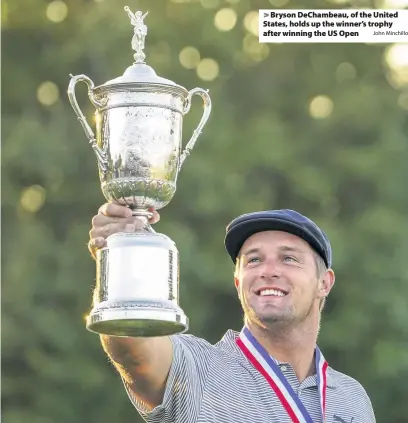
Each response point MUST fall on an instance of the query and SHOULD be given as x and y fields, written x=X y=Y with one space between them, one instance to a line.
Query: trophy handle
x=100 y=154
x=206 y=114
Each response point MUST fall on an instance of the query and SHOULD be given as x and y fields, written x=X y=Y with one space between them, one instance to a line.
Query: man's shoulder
x=349 y=388
x=342 y=380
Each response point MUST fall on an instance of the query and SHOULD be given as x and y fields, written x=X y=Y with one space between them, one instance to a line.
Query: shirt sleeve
x=185 y=383
x=369 y=409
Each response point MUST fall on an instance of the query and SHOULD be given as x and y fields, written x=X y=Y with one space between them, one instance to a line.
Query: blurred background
x=320 y=128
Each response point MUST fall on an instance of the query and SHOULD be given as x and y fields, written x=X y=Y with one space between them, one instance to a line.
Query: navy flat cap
x=285 y=220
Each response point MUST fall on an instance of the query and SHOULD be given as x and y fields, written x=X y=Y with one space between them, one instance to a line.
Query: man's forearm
x=143 y=363
x=127 y=350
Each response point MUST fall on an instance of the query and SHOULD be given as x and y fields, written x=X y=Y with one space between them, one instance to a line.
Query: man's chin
x=273 y=311
x=269 y=314
x=269 y=319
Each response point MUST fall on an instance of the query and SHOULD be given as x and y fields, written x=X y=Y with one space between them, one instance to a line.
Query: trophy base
x=136 y=291
x=137 y=323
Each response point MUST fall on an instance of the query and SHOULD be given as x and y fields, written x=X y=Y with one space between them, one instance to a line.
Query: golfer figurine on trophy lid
x=138 y=147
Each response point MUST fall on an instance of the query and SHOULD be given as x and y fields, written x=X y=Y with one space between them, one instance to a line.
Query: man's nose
x=270 y=270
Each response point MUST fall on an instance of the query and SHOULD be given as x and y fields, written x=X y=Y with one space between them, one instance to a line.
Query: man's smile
x=271 y=291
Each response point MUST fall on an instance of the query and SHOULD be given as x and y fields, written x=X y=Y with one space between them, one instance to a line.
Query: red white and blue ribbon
x=265 y=364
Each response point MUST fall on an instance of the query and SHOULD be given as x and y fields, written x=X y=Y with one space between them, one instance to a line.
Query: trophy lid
x=139 y=72
x=142 y=74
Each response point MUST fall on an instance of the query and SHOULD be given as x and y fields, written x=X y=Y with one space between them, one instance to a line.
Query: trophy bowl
x=138 y=146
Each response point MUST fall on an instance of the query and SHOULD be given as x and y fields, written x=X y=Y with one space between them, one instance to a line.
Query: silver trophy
x=138 y=146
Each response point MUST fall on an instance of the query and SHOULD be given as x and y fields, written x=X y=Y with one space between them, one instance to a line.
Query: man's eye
x=290 y=258
x=253 y=259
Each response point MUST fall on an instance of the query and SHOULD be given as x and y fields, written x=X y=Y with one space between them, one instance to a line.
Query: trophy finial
x=140 y=32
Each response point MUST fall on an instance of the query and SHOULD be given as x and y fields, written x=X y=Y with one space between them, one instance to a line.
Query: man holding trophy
x=273 y=370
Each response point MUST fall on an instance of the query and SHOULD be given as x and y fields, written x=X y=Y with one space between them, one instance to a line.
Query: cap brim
x=239 y=233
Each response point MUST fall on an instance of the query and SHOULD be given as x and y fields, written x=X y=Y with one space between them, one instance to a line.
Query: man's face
x=278 y=280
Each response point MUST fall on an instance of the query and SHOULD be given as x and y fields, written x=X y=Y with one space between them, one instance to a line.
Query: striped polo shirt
x=217 y=384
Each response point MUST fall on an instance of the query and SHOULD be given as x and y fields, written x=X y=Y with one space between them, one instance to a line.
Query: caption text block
x=333 y=26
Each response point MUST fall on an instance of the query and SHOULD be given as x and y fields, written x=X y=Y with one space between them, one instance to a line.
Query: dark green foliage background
x=260 y=150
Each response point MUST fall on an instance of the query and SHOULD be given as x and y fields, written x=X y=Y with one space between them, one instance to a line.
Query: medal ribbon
x=263 y=362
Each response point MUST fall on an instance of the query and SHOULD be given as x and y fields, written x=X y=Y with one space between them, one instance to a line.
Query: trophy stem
x=144 y=215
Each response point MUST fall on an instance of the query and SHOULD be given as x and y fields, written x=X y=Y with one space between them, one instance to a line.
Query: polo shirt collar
x=228 y=342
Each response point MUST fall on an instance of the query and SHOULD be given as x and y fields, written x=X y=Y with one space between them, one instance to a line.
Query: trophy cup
x=138 y=146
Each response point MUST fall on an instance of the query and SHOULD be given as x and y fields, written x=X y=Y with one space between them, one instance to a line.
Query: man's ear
x=237 y=273
x=236 y=282
x=327 y=283
x=237 y=286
